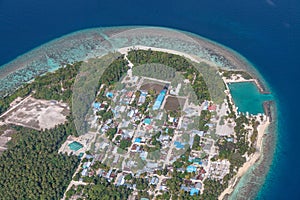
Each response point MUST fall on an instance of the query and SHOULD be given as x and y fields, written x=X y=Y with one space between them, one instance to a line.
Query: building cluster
x=144 y=138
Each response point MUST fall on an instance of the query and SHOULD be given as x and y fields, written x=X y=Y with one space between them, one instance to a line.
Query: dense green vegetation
x=231 y=113
x=155 y=70
x=179 y=63
x=196 y=145
x=125 y=143
x=56 y=85
x=51 y=86
x=204 y=119
x=99 y=189
x=105 y=71
x=213 y=188
x=21 y=92
x=32 y=168
x=234 y=151
x=214 y=82
x=48 y=86
x=110 y=133
x=114 y=71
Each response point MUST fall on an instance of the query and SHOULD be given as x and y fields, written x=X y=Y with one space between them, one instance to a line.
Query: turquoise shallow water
x=248 y=98
x=99 y=41
x=265 y=32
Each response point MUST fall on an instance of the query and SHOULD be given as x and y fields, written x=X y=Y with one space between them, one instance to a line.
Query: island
x=136 y=122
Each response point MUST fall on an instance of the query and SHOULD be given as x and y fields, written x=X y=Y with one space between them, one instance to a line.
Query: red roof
x=149 y=127
x=212 y=107
x=134 y=147
x=129 y=94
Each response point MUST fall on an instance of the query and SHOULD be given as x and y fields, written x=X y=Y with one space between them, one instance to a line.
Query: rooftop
x=75 y=146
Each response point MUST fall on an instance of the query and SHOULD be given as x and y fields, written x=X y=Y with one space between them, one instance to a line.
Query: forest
x=32 y=168
x=179 y=63
x=51 y=86
x=99 y=189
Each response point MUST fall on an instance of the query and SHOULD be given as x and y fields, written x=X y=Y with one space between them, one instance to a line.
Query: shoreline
x=261 y=128
x=193 y=58
x=258 y=83
x=248 y=164
x=261 y=132
x=99 y=41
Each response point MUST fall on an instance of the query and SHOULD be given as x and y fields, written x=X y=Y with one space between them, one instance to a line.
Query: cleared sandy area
x=174 y=103
x=37 y=114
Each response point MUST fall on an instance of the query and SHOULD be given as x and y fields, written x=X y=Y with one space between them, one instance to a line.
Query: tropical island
x=139 y=122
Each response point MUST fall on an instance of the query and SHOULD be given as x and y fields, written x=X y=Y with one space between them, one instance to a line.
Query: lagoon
x=248 y=98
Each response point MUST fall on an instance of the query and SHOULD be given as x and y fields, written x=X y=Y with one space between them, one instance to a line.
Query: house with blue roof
x=178 y=145
x=191 y=168
x=197 y=161
x=194 y=191
x=96 y=105
x=137 y=140
x=147 y=121
x=109 y=95
x=159 y=99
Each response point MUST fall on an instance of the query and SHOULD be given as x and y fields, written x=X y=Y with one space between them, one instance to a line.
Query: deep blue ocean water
x=266 y=32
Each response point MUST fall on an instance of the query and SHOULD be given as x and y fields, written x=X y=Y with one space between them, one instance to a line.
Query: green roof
x=75 y=146
x=80 y=155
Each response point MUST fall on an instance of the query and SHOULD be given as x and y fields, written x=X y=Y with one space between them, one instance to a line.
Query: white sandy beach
x=193 y=58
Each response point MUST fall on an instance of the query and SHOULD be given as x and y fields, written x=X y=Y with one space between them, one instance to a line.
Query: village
x=146 y=132
x=142 y=130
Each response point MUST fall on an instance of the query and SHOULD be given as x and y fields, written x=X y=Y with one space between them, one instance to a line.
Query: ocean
x=265 y=32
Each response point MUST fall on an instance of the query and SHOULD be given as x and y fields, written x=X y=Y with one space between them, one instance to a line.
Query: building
x=205 y=105
x=178 y=145
x=84 y=172
x=194 y=191
x=200 y=133
x=142 y=100
x=109 y=95
x=185 y=188
x=142 y=97
x=154 y=180
x=147 y=121
x=120 y=181
x=191 y=168
x=159 y=99
x=212 y=108
x=130 y=114
x=137 y=140
x=96 y=105
x=75 y=146
x=86 y=165
x=198 y=186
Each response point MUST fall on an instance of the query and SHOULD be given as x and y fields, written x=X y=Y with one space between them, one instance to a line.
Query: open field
x=37 y=114
x=155 y=86
x=174 y=103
